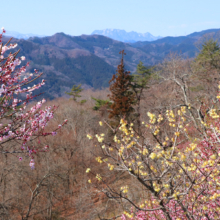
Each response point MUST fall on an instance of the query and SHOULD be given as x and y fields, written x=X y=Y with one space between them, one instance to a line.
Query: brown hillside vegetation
x=58 y=187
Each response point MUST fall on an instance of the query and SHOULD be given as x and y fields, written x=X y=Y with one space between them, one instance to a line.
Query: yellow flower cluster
x=171 y=118
x=129 y=215
x=156 y=187
x=99 y=159
x=152 y=117
x=124 y=189
x=142 y=205
x=120 y=151
x=116 y=140
x=157 y=130
x=215 y=196
x=170 y=115
x=177 y=133
x=153 y=156
x=191 y=147
x=111 y=167
x=183 y=109
x=213 y=113
x=182 y=156
x=100 y=137
x=139 y=163
x=132 y=143
x=175 y=195
x=98 y=176
x=160 y=118
x=209 y=163
x=153 y=169
x=192 y=167
x=145 y=151
x=166 y=185
x=123 y=127
x=89 y=136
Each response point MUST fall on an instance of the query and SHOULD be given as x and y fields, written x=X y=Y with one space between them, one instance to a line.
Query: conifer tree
x=121 y=95
x=209 y=56
x=142 y=75
x=206 y=67
x=75 y=92
x=100 y=103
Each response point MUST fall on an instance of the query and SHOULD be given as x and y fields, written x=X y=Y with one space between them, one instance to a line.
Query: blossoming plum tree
x=19 y=125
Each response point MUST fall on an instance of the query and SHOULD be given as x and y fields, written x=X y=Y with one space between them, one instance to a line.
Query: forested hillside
x=92 y=59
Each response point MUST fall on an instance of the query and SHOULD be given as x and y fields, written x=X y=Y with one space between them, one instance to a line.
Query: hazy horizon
x=160 y=18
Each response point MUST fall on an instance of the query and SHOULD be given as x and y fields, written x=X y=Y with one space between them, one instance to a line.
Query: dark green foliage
x=206 y=67
x=209 y=56
x=121 y=95
x=99 y=103
x=83 y=101
x=75 y=92
x=142 y=75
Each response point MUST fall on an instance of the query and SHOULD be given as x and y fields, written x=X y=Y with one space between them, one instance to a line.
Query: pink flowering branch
x=19 y=125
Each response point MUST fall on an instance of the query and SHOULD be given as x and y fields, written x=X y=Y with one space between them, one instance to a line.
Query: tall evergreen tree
x=121 y=95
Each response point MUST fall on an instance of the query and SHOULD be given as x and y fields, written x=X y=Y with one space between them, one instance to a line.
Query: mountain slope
x=92 y=59
x=122 y=35
x=187 y=46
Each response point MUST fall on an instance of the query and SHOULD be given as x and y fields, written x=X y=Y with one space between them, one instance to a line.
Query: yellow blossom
x=88 y=170
x=111 y=167
x=213 y=113
x=98 y=176
x=99 y=159
x=152 y=117
x=124 y=189
x=153 y=156
x=89 y=136
x=213 y=157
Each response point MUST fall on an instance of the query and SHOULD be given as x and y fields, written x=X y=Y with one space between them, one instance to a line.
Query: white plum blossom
x=31 y=164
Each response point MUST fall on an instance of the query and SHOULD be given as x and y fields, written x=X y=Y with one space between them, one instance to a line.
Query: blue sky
x=76 y=17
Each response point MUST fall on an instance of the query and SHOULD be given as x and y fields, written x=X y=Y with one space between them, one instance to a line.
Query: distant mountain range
x=124 y=36
x=21 y=36
x=92 y=59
